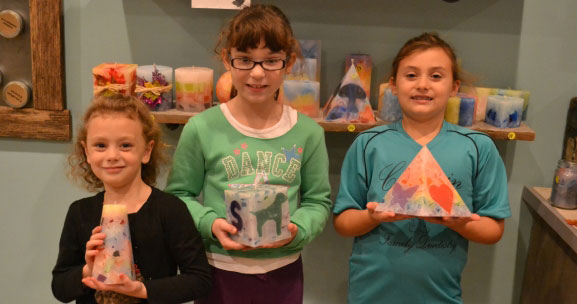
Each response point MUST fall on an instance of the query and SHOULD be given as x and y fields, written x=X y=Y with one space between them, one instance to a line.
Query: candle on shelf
x=504 y=111
x=193 y=88
x=110 y=79
x=154 y=86
x=116 y=256
x=364 y=65
x=302 y=95
x=522 y=94
x=481 y=105
x=452 y=110
x=388 y=107
x=466 y=111
x=259 y=212
x=224 y=88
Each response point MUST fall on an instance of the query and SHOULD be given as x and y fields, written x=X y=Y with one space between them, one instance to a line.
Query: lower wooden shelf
x=523 y=132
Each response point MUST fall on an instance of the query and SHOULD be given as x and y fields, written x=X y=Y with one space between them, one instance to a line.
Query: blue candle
x=504 y=111
x=389 y=108
x=466 y=111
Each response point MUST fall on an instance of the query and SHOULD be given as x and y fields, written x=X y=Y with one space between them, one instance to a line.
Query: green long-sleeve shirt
x=212 y=155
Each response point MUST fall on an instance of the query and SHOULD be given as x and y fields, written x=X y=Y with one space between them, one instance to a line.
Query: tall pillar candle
x=154 y=86
x=116 y=256
x=193 y=88
x=466 y=111
x=110 y=79
x=452 y=110
x=389 y=108
x=504 y=111
x=302 y=95
x=260 y=214
x=481 y=105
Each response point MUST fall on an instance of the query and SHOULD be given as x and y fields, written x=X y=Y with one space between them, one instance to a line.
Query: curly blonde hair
x=81 y=172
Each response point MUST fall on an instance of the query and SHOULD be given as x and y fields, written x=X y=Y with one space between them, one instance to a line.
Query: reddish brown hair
x=133 y=108
x=424 y=42
x=251 y=24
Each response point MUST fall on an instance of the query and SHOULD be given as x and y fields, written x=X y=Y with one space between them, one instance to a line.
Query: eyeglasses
x=249 y=64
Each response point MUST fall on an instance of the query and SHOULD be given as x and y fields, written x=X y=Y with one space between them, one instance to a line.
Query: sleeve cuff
x=205 y=226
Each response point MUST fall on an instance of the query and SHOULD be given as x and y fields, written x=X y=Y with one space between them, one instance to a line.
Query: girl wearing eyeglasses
x=254 y=135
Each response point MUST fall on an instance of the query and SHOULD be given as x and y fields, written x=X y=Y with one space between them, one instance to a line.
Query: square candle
x=504 y=111
x=110 y=79
x=116 y=256
x=154 y=86
x=259 y=212
x=303 y=96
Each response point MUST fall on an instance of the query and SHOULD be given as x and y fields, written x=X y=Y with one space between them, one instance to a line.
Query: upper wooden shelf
x=524 y=132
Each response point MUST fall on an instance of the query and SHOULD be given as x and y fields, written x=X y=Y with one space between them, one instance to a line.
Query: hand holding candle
x=115 y=257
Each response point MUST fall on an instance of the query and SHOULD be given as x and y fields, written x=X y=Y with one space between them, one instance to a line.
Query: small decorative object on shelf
x=504 y=111
x=114 y=78
x=388 y=107
x=570 y=136
x=154 y=86
x=11 y=24
x=224 y=89
x=16 y=94
x=364 y=65
x=260 y=213
x=193 y=88
x=564 y=190
x=350 y=103
x=303 y=95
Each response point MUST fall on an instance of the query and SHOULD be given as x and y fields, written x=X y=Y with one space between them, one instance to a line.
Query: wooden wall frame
x=49 y=118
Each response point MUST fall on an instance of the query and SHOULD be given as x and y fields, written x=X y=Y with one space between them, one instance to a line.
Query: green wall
x=506 y=43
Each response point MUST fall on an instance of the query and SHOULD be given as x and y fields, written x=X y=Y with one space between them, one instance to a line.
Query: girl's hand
x=294 y=229
x=452 y=222
x=221 y=230
x=384 y=216
x=126 y=286
x=92 y=248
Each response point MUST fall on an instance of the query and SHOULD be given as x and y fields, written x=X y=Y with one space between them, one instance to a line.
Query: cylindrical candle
x=114 y=78
x=116 y=256
x=154 y=86
x=193 y=88
x=466 y=111
x=452 y=110
x=564 y=190
x=302 y=95
x=504 y=111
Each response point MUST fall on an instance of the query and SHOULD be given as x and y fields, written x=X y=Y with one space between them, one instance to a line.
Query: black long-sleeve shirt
x=164 y=238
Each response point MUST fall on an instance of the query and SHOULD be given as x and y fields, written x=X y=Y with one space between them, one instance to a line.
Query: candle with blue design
x=504 y=111
x=260 y=213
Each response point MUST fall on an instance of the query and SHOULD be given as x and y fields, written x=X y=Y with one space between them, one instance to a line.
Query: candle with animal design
x=116 y=256
x=259 y=212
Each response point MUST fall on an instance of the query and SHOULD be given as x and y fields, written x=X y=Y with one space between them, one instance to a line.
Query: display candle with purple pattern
x=154 y=86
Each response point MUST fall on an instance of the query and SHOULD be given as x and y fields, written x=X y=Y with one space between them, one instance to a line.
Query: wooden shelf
x=524 y=132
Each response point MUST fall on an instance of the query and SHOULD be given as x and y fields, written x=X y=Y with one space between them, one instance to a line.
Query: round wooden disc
x=16 y=94
x=11 y=24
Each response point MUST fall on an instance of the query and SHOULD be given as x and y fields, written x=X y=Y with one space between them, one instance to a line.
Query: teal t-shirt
x=413 y=261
